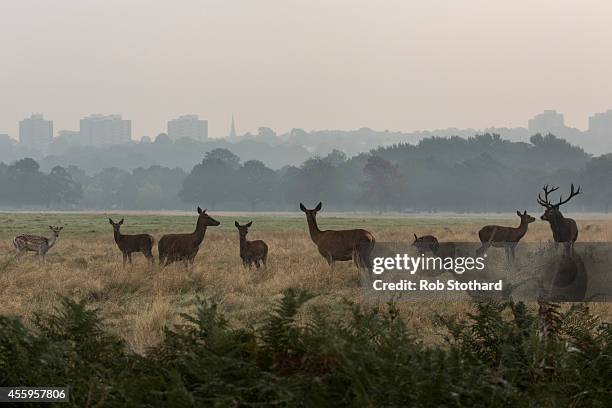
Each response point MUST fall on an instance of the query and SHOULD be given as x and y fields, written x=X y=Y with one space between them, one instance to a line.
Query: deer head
x=311 y=213
x=205 y=220
x=525 y=218
x=56 y=230
x=243 y=230
x=552 y=210
x=116 y=225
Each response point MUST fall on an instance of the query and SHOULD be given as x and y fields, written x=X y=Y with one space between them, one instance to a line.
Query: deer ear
x=302 y=207
x=51 y=228
x=318 y=207
x=415 y=237
x=110 y=221
x=525 y=212
x=518 y=213
x=236 y=224
x=199 y=210
x=249 y=224
x=121 y=222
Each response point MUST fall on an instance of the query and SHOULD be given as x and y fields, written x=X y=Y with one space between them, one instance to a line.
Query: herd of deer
x=343 y=245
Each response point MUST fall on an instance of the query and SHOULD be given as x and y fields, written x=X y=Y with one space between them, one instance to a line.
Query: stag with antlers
x=564 y=230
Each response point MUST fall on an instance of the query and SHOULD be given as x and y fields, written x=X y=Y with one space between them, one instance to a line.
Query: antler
x=572 y=194
x=546 y=202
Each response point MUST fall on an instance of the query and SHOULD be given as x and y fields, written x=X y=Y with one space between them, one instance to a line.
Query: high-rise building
x=190 y=126
x=600 y=125
x=36 y=132
x=550 y=121
x=105 y=129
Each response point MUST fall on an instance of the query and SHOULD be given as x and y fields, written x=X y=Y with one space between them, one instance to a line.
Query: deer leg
x=130 y=257
x=330 y=261
x=483 y=248
x=512 y=250
x=124 y=259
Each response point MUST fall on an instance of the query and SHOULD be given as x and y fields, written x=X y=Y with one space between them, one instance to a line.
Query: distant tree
x=26 y=185
x=257 y=184
x=319 y=180
x=163 y=139
x=62 y=188
x=598 y=176
x=212 y=181
x=335 y=158
x=382 y=184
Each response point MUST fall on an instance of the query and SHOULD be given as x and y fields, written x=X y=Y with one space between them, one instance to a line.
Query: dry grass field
x=140 y=300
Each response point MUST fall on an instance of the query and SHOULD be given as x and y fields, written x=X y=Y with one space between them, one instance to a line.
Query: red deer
x=344 y=245
x=426 y=243
x=251 y=252
x=564 y=230
x=504 y=237
x=128 y=244
x=184 y=247
x=35 y=243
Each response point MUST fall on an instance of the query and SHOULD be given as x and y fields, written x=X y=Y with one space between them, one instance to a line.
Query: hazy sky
x=312 y=64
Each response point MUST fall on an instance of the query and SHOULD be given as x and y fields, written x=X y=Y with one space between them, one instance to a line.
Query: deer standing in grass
x=346 y=245
x=251 y=252
x=35 y=243
x=564 y=230
x=504 y=237
x=128 y=244
x=426 y=243
x=184 y=247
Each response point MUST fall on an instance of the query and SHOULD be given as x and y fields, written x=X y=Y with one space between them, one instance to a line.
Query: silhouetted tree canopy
x=483 y=173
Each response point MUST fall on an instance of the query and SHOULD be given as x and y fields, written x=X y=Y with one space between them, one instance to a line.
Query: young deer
x=426 y=243
x=356 y=244
x=184 y=247
x=506 y=237
x=251 y=252
x=35 y=243
x=564 y=230
x=129 y=244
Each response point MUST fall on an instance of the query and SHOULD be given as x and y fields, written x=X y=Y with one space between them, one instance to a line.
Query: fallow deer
x=128 y=244
x=251 y=252
x=426 y=243
x=35 y=243
x=184 y=247
x=564 y=230
x=504 y=237
x=346 y=245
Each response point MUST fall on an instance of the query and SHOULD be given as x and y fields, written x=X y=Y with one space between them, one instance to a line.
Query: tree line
x=484 y=173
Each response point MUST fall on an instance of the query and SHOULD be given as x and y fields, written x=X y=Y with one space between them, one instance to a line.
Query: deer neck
x=522 y=229
x=243 y=242
x=117 y=235
x=198 y=234
x=52 y=240
x=556 y=222
x=313 y=228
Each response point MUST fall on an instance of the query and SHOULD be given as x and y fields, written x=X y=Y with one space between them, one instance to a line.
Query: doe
x=251 y=252
x=128 y=244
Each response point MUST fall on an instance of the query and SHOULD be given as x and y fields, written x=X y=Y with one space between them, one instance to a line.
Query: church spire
x=233 y=129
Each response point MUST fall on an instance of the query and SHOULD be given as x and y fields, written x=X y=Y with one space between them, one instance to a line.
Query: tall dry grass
x=140 y=300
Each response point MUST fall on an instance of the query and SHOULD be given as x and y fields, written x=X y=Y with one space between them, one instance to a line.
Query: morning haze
x=398 y=65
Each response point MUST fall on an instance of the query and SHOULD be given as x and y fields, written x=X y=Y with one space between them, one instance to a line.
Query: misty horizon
x=392 y=65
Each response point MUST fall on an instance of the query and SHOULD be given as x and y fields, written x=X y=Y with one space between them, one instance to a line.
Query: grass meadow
x=139 y=300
